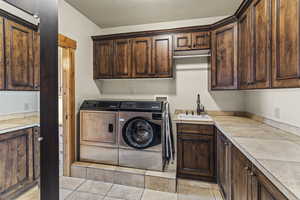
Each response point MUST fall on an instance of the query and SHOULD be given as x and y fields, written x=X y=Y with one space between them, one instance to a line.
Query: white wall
x=191 y=78
x=277 y=104
x=76 y=26
x=18 y=102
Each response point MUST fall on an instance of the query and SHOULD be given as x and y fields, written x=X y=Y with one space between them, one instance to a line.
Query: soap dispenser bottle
x=200 y=107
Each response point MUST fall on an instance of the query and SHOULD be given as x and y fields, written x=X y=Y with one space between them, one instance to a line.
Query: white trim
x=19 y=13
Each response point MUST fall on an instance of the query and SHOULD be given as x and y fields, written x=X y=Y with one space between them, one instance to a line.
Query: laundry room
x=150 y=100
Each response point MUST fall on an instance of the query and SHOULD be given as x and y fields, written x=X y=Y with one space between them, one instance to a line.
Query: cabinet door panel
x=122 y=58
x=162 y=65
x=286 y=66
x=141 y=57
x=36 y=53
x=245 y=55
x=224 y=58
x=223 y=164
x=196 y=155
x=19 y=56
x=103 y=59
x=2 y=66
x=16 y=161
x=201 y=40
x=239 y=176
x=183 y=41
x=261 y=13
x=263 y=189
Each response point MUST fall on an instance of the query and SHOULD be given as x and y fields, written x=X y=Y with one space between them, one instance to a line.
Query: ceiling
x=113 y=13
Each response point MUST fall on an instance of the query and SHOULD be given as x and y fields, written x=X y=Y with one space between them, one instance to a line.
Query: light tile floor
x=81 y=189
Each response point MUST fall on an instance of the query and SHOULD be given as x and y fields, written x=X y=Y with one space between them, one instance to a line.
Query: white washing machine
x=141 y=135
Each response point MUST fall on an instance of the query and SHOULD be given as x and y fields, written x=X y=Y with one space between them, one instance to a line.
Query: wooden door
x=19 y=56
x=201 y=40
x=195 y=156
x=261 y=46
x=36 y=55
x=285 y=43
x=263 y=189
x=224 y=58
x=16 y=162
x=162 y=64
x=141 y=57
x=103 y=59
x=245 y=53
x=223 y=165
x=182 y=41
x=2 y=65
x=98 y=127
x=240 y=167
x=122 y=58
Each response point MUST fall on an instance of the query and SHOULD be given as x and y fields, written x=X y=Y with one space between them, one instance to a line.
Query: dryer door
x=140 y=133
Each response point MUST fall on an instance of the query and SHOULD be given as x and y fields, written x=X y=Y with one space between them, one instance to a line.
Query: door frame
x=69 y=117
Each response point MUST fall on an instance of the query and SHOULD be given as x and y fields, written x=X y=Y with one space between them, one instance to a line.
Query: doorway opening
x=67 y=116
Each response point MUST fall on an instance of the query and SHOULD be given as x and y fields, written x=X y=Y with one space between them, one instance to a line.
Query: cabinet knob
x=252 y=174
x=246 y=168
x=40 y=139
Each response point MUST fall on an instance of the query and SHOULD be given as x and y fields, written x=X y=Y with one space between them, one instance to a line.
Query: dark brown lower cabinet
x=17 y=157
x=262 y=188
x=196 y=152
x=240 y=178
x=223 y=164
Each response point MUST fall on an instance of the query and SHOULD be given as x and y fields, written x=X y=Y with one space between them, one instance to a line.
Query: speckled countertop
x=18 y=123
x=275 y=152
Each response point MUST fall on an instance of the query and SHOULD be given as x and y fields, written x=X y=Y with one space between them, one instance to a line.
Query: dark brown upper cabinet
x=254 y=46
x=2 y=63
x=19 y=56
x=182 y=41
x=244 y=53
x=36 y=56
x=103 y=59
x=196 y=152
x=141 y=57
x=261 y=45
x=122 y=58
x=285 y=43
x=201 y=40
x=162 y=56
x=224 y=58
x=192 y=41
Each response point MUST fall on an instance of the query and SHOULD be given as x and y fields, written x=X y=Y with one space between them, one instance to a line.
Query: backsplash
x=13 y=102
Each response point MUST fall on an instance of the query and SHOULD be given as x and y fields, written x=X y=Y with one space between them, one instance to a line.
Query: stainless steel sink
x=194 y=117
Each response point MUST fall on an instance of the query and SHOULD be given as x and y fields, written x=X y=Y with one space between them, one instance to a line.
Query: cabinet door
x=16 y=162
x=162 y=64
x=36 y=152
x=122 y=58
x=2 y=66
x=182 y=41
x=285 y=44
x=103 y=59
x=224 y=58
x=36 y=55
x=201 y=40
x=223 y=164
x=141 y=57
x=19 y=56
x=240 y=186
x=245 y=54
x=261 y=12
x=263 y=189
x=195 y=156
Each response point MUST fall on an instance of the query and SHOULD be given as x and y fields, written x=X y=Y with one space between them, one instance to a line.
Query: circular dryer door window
x=139 y=133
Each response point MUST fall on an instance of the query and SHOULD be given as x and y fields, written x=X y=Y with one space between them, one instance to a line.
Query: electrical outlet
x=26 y=106
x=277 y=113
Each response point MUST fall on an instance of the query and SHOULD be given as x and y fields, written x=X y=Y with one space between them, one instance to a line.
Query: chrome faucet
x=200 y=107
